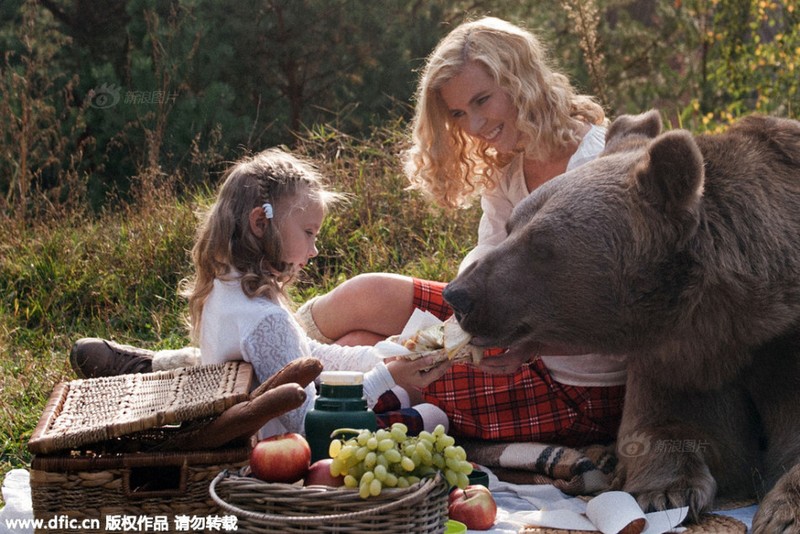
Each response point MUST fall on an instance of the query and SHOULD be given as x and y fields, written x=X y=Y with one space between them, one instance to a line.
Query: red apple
x=281 y=458
x=320 y=474
x=474 y=506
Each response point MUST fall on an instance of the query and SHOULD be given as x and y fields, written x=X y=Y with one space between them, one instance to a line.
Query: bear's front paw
x=779 y=511
x=698 y=499
x=662 y=487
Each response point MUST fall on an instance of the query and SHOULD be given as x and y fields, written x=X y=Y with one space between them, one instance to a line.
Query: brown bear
x=682 y=252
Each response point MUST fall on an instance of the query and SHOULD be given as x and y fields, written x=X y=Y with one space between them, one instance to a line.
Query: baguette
x=244 y=419
x=300 y=371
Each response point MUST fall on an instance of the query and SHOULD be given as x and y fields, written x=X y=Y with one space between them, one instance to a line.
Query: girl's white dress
x=264 y=333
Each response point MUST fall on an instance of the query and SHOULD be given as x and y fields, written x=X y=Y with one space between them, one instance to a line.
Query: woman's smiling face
x=481 y=108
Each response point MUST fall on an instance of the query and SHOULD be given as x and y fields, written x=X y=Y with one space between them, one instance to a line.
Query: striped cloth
x=575 y=471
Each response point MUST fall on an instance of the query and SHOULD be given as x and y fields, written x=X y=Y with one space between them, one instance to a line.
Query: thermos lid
x=341 y=378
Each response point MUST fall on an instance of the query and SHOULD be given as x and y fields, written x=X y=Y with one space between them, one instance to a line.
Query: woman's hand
x=414 y=375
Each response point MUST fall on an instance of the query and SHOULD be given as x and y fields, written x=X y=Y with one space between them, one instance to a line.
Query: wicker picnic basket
x=102 y=448
x=265 y=507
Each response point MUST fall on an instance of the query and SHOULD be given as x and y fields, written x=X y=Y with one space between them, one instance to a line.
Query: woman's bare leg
x=365 y=309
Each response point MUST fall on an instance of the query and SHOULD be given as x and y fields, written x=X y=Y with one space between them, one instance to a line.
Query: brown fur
x=684 y=253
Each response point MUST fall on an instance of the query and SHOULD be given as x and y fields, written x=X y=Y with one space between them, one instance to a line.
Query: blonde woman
x=492 y=118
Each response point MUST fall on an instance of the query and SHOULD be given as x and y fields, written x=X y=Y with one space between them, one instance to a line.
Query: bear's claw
x=779 y=511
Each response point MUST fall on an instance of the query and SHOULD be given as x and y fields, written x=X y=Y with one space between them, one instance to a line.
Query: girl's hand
x=411 y=374
x=506 y=363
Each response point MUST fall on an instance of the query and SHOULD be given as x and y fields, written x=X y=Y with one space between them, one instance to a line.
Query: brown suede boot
x=93 y=357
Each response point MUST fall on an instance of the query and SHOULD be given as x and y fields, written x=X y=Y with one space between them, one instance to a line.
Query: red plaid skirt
x=525 y=406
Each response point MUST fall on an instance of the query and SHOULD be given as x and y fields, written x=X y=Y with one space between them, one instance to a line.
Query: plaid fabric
x=389 y=411
x=526 y=406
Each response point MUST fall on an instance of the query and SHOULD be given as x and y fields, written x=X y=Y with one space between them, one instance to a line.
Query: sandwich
x=446 y=341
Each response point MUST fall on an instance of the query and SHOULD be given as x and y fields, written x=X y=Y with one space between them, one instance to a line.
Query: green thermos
x=340 y=404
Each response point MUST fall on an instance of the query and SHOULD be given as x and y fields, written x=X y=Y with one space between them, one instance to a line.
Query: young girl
x=491 y=117
x=259 y=233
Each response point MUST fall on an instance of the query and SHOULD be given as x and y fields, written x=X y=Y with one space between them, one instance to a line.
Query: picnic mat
x=536 y=476
x=513 y=500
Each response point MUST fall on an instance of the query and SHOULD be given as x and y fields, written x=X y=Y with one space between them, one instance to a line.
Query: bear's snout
x=459 y=299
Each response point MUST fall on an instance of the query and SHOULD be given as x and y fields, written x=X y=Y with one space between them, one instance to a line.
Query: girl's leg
x=363 y=310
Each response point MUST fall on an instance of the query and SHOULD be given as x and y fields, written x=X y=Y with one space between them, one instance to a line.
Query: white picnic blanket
x=518 y=505
x=18 y=508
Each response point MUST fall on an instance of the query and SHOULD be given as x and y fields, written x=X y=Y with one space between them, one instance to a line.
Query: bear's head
x=596 y=259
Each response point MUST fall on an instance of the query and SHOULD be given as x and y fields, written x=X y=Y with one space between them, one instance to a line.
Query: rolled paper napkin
x=617 y=512
x=613 y=512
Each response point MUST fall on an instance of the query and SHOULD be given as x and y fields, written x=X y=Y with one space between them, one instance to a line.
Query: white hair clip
x=268 y=213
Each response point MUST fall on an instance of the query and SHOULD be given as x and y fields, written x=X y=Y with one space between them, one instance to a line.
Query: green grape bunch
x=388 y=458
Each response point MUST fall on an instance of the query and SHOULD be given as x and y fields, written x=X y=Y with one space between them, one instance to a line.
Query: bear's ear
x=670 y=178
x=632 y=128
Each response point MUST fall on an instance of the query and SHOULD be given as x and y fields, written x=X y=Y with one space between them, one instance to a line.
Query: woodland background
x=117 y=118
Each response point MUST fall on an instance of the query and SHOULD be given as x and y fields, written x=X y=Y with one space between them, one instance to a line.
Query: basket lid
x=80 y=412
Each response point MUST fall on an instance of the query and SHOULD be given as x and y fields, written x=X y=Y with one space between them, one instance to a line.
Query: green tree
x=41 y=141
x=751 y=58
x=117 y=94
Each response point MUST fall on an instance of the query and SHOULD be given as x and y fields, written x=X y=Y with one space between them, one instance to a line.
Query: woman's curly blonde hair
x=450 y=165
